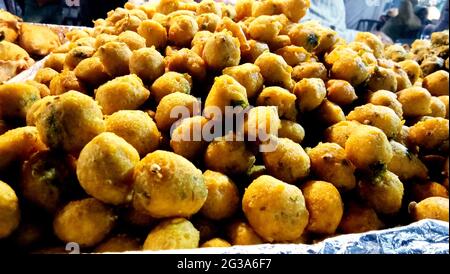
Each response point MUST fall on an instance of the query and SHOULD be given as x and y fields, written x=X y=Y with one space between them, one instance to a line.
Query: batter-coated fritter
x=105 y=168
x=384 y=193
x=16 y=99
x=137 y=128
x=48 y=180
x=187 y=139
x=430 y=208
x=115 y=56
x=329 y=163
x=86 y=222
x=168 y=185
x=171 y=82
x=221 y=50
x=18 y=145
x=275 y=210
x=324 y=205
x=170 y=104
x=223 y=196
x=176 y=233
x=70 y=121
x=9 y=210
x=288 y=162
x=119 y=243
x=122 y=93
x=228 y=156
x=241 y=233
x=376 y=152
x=38 y=40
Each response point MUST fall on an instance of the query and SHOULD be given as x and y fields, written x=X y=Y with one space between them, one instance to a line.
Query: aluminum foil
x=424 y=237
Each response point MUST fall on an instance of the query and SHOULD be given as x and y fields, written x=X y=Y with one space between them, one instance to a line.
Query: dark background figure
x=443 y=20
x=406 y=25
x=71 y=12
x=38 y=11
x=442 y=23
x=12 y=6
x=42 y=11
x=63 y=12
x=391 y=13
x=422 y=13
x=94 y=9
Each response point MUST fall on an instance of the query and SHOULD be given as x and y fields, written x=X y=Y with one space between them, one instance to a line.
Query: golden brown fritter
x=168 y=185
x=38 y=40
x=176 y=233
x=275 y=210
x=86 y=222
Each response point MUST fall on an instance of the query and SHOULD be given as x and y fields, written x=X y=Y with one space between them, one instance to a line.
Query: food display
x=22 y=43
x=120 y=141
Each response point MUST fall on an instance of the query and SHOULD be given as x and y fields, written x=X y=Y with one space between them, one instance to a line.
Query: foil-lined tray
x=423 y=237
x=61 y=31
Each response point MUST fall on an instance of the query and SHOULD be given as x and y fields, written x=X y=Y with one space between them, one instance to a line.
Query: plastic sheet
x=424 y=237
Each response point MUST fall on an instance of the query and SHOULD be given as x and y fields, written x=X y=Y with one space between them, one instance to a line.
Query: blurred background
x=398 y=21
